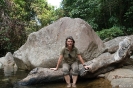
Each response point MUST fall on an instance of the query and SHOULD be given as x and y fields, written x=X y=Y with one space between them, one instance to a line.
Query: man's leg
x=67 y=78
x=74 y=73
x=66 y=73
x=74 y=79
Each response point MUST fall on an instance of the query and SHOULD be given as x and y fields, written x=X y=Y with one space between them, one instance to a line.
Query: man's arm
x=58 y=63
x=82 y=61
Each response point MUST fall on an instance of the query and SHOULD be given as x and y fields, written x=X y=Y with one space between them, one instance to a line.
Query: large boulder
x=8 y=64
x=42 y=48
x=102 y=64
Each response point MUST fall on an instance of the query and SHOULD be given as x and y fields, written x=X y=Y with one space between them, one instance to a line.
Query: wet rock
x=42 y=75
x=131 y=57
x=1 y=66
x=122 y=78
x=8 y=64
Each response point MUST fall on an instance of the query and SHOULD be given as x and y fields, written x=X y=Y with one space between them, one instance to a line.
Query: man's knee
x=65 y=71
x=75 y=69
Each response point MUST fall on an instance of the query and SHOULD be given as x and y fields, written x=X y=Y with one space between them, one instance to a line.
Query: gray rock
x=8 y=64
x=106 y=59
x=42 y=75
x=1 y=66
x=131 y=57
x=113 y=44
x=122 y=78
x=102 y=64
x=42 y=48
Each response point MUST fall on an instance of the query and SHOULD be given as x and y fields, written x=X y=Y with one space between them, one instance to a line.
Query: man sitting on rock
x=69 y=55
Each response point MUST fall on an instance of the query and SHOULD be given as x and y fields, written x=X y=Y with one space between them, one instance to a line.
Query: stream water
x=9 y=82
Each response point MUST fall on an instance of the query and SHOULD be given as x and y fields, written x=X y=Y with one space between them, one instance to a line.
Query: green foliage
x=12 y=32
x=19 y=18
x=35 y=13
x=102 y=14
x=110 y=33
x=84 y=9
x=41 y=14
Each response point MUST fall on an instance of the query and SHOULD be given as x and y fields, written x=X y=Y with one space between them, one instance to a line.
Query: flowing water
x=9 y=82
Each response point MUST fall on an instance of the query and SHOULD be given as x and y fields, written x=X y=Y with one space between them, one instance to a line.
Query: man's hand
x=87 y=67
x=55 y=69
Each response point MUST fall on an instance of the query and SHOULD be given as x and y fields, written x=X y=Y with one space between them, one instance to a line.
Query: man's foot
x=73 y=85
x=69 y=85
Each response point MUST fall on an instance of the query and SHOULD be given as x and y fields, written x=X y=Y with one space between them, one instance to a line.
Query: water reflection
x=10 y=82
x=9 y=70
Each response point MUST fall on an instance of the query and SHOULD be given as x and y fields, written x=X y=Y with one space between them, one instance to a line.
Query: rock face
x=106 y=59
x=113 y=44
x=122 y=78
x=8 y=64
x=102 y=64
x=42 y=48
x=42 y=75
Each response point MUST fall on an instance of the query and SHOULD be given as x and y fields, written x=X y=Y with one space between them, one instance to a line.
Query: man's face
x=69 y=43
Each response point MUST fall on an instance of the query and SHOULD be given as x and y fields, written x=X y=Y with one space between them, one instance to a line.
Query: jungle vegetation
x=18 y=18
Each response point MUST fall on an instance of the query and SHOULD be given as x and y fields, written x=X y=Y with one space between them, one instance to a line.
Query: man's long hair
x=71 y=38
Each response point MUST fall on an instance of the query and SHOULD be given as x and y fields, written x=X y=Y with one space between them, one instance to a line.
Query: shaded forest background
x=18 y=18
